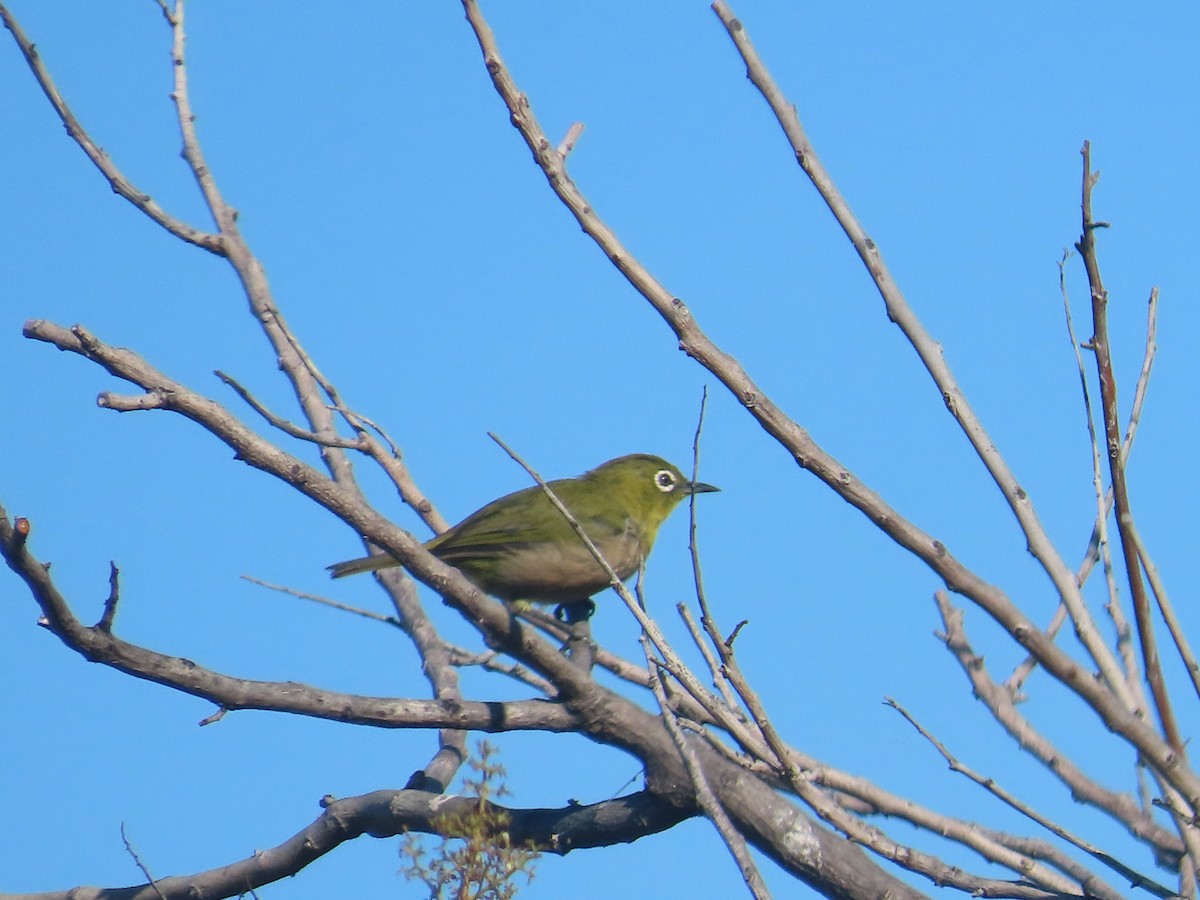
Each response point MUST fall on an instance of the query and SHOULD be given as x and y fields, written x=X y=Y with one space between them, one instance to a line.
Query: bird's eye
x=664 y=481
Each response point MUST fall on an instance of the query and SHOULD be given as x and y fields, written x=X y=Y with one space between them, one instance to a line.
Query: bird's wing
x=518 y=520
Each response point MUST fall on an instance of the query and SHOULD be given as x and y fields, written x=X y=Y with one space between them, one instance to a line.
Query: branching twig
x=1092 y=555
x=1135 y=879
x=101 y=160
x=283 y=424
x=704 y=794
x=999 y=701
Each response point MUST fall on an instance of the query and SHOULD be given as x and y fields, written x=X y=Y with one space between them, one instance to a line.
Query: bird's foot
x=578 y=647
x=575 y=611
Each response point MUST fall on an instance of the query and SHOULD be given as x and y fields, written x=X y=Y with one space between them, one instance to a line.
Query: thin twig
x=110 y=603
x=1167 y=609
x=490 y=661
x=141 y=865
x=705 y=797
x=1116 y=464
x=1135 y=878
x=715 y=666
x=166 y=11
x=325 y=601
x=390 y=460
x=1000 y=702
x=284 y=425
x=192 y=152
x=567 y=144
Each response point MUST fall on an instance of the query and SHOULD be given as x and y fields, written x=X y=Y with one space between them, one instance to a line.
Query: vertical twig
x=1116 y=464
x=1103 y=504
x=705 y=797
x=1092 y=555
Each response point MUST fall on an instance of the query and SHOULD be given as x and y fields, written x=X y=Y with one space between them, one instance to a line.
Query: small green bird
x=521 y=547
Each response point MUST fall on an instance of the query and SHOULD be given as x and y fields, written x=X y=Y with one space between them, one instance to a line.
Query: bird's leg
x=578 y=646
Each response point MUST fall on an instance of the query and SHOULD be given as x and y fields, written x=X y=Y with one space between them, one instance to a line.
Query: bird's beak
x=698 y=487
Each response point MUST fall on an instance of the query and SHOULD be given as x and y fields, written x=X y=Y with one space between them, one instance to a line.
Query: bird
x=522 y=549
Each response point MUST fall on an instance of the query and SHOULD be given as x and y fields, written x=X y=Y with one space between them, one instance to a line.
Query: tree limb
x=383 y=814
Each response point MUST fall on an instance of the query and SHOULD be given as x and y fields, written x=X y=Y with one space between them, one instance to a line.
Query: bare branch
x=1103 y=505
x=384 y=814
x=1092 y=887
x=282 y=424
x=119 y=183
x=1166 y=608
x=325 y=601
x=704 y=794
x=138 y=861
x=1000 y=702
x=1108 y=393
x=110 y=604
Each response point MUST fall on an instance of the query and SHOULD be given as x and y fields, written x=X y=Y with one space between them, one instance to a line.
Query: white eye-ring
x=664 y=480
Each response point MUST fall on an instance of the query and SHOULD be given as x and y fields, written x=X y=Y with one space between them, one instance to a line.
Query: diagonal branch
x=930 y=353
x=999 y=699
x=1091 y=886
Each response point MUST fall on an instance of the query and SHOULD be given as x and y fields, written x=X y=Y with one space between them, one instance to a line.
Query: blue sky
x=419 y=255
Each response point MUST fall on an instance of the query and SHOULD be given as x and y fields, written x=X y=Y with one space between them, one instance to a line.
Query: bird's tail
x=370 y=563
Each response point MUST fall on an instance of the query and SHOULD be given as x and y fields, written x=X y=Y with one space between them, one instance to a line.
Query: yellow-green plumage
x=521 y=547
